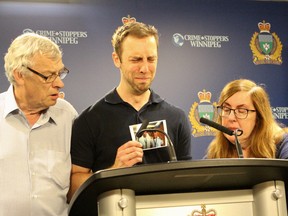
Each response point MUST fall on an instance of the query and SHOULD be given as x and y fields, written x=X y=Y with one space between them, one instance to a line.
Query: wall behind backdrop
x=203 y=45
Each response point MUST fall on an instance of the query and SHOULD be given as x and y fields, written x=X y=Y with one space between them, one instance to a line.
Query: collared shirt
x=103 y=127
x=35 y=161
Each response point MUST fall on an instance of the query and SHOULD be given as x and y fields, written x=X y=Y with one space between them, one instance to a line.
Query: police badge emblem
x=204 y=109
x=266 y=47
x=128 y=19
x=204 y=212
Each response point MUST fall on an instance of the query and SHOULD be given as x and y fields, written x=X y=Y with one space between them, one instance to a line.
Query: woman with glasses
x=245 y=105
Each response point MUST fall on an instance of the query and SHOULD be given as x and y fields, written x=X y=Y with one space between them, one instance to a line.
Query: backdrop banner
x=203 y=45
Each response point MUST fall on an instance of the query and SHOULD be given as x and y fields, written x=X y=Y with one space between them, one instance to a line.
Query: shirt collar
x=113 y=97
x=10 y=102
x=11 y=106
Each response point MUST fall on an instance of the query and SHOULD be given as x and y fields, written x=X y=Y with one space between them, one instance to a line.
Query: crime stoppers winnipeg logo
x=178 y=40
x=266 y=47
x=60 y=37
x=202 y=109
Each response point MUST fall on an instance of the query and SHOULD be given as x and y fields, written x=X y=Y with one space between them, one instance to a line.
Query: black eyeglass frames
x=48 y=79
x=240 y=113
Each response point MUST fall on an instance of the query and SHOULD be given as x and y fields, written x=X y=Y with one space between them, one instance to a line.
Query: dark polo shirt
x=103 y=127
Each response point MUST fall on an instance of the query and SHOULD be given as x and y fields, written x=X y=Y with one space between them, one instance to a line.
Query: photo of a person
x=151 y=139
x=146 y=140
x=157 y=139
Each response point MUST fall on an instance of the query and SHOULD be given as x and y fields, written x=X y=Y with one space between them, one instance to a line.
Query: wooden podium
x=189 y=188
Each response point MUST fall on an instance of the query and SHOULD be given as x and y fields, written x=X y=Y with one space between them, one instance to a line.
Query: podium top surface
x=178 y=177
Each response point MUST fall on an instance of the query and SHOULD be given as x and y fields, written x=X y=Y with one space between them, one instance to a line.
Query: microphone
x=216 y=126
x=143 y=126
x=236 y=133
x=171 y=149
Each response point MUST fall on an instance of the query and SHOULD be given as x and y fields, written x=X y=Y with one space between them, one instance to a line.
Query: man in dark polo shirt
x=101 y=138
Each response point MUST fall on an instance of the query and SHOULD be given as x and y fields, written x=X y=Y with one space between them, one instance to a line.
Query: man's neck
x=32 y=115
x=135 y=100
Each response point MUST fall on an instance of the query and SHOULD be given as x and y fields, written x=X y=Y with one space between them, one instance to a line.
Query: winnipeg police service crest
x=204 y=212
x=202 y=109
x=266 y=47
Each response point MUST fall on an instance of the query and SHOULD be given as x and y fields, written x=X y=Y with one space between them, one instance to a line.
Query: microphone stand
x=238 y=146
x=171 y=149
x=236 y=133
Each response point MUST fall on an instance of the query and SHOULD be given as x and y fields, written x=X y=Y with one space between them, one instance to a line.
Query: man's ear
x=116 y=59
x=18 y=77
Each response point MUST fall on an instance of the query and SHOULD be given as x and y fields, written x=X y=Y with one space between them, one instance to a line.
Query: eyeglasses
x=49 y=79
x=240 y=113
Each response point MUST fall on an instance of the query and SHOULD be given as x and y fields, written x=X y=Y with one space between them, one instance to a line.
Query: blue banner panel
x=203 y=45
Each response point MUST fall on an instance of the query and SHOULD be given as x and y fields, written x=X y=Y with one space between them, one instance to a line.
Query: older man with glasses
x=35 y=130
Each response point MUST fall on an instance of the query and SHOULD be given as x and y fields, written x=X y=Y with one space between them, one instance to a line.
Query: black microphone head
x=204 y=120
x=143 y=126
x=216 y=126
